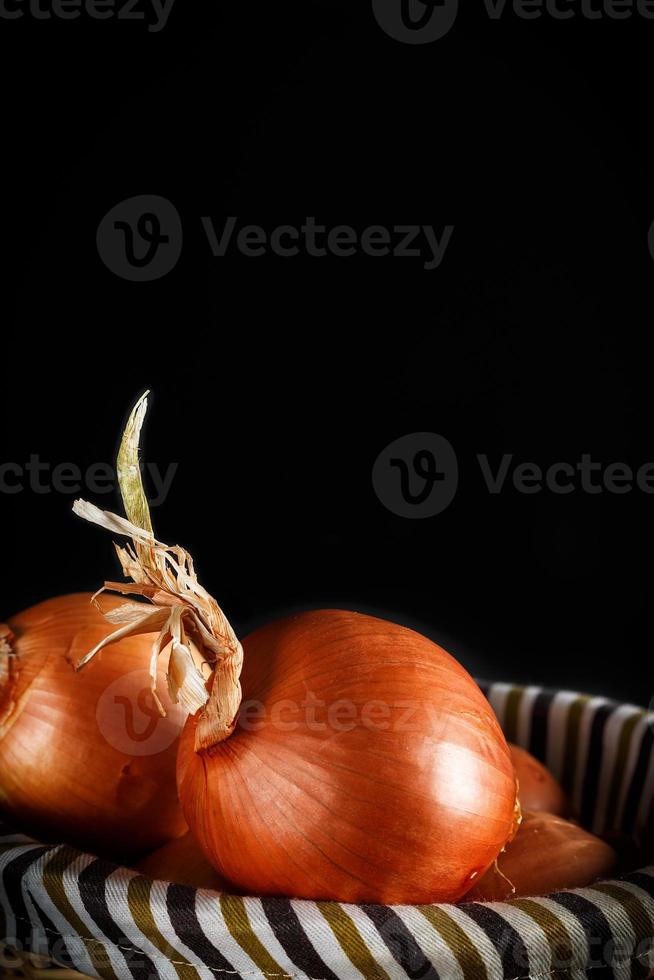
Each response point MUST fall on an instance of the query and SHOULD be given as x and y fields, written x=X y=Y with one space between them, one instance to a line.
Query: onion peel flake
x=177 y=607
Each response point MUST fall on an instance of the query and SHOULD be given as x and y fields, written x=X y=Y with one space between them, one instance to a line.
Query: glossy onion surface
x=547 y=855
x=366 y=765
x=537 y=787
x=84 y=758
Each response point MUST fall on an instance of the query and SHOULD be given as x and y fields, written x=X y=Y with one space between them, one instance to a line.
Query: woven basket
x=104 y=921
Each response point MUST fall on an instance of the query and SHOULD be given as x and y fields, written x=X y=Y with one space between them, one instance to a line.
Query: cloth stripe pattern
x=117 y=925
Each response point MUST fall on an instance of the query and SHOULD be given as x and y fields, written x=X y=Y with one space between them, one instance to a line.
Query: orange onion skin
x=61 y=778
x=548 y=854
x=410 y=806
x=537 y=787
x=182 y=862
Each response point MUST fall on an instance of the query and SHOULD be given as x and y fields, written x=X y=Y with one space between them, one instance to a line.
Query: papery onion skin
x=410 y=813
x=181 y=861
x=60 y=778
x=537 y=787
x=547 y=855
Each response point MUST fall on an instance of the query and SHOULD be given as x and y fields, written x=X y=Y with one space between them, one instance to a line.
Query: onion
x=537 y=787
x=72 y=767
x=364 y=764
x=377 y=773
x=548 y=854
x=181 y=861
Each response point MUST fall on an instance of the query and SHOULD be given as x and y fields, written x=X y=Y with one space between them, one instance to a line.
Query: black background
x=278 y=381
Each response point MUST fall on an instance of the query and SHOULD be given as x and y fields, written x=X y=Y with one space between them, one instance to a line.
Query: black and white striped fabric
x=110 y=922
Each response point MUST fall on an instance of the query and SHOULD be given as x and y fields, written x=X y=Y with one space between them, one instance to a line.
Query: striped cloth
x=110 y=922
